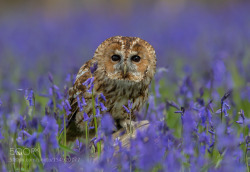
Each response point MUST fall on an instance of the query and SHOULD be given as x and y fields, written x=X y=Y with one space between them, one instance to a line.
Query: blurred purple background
x=58 y=36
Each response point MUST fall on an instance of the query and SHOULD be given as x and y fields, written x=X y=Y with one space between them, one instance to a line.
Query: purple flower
x=31 y=140
x=29 y=95
x=66 y=106
x=21 y=137
x=93 y=68
x=89 y=83
x=22 y=122
x=127 y=110
x=85 y=117
x=107 y=124
x=225 y=108
x=130 y=104
x=103 y=108
x=50 y=129
x=172 y=104
x=34 y=123
x=78 y=146
x=103 y=97
x=96 y=101
x=98 y=113
x=1 y=136
x=50 y=76
x=81 y=103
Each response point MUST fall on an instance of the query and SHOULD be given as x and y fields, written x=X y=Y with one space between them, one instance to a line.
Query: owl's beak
x=124 y=70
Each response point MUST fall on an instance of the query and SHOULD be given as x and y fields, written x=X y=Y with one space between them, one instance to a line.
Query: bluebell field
x=199 y=103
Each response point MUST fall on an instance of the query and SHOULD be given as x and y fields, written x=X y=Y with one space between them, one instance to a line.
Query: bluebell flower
x=50 y=129
x=31 y=140
x=84 y=101
x=173 y=104
x=50 y=76
x=97 y=101
x=80 y=103
x=85 y=117
x=98 y=139
x=225 y=108
x=22 y=122
x=189 y=127
x=89 y=83
x=22 y=135
x=34 y=123
x=93 y=68
x=130 y=104
x=127 y=110
x=173 y=160
x=107 y=124
x=103 y=97
x=98 y=113
x=78 y=146
x=103 y=108
x=29 y=95
x=1 y=136
x=203 y=138
x=67 y=106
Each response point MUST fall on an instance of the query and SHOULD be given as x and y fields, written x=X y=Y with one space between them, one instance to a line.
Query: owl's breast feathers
x=117 y=93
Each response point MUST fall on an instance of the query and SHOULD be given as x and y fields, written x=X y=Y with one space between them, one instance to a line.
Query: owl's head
x=126 y=58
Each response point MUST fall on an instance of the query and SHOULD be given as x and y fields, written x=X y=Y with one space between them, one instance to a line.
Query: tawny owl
x=125 y=68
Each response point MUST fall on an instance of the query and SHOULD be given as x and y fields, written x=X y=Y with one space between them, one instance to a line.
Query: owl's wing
x=78 y=89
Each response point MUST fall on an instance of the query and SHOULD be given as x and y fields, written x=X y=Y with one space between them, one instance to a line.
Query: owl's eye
x=116 y=57
x=136 y=58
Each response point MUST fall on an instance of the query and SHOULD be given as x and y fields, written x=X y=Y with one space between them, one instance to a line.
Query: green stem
x=64 y=133
x=95 y=121
x=246 y=157
x=86 y=132
x=54 y=101
x=130 y=128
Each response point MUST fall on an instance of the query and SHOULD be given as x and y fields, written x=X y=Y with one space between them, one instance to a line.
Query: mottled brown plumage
x=126 y=66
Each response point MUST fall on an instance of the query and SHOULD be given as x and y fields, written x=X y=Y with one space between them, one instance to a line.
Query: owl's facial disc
x=126 y=59
x=125 y=65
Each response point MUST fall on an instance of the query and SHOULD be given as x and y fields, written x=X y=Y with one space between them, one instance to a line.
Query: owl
x=120 y=71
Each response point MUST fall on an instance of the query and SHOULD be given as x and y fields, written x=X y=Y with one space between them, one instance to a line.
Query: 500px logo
x=23 y=151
